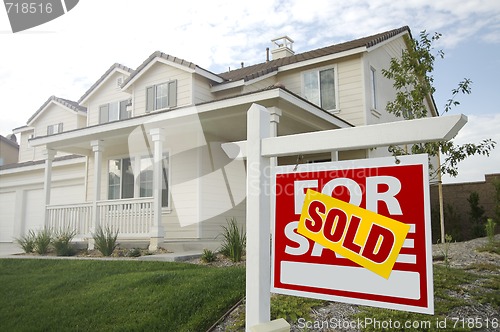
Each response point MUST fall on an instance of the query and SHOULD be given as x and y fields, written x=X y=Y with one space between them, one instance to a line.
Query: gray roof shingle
x=251 y=72
x=73 y=105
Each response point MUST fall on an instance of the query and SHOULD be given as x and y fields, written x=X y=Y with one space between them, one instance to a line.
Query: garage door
x=7 y=204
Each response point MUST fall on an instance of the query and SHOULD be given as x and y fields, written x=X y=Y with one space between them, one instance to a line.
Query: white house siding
x=109 y=91
x=351 y=87
x=222 y=191
x=157 y=74
x=201 y=89
x=26 y=152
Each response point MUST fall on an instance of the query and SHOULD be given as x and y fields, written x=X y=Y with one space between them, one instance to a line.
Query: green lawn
x=84 y=295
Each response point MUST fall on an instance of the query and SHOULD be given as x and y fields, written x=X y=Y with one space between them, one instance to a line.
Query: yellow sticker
x=365 y=237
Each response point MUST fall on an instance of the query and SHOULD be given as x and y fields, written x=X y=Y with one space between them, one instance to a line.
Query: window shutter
x=123 y=110
x=50 y=130
x=60 y=127
x=172 y=93
x=104 y=113
x=150 y=98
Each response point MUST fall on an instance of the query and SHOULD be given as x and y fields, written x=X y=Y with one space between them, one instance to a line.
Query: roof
x=113 y=67
x=37 y=162
x=72 y=105
x=251 y=72
x=9 y=141
x=170 y=58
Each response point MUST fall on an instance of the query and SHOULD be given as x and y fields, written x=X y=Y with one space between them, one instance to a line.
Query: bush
x=43 y=239
x=27 y=242
x=476 y=214
x=62 y=243
x=234 y=240
x=105 y=240
x=208 y=256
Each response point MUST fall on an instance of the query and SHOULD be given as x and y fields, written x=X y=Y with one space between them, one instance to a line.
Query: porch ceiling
x=224 y=120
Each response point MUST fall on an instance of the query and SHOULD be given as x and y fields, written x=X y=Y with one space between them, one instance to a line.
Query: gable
x=124 y=71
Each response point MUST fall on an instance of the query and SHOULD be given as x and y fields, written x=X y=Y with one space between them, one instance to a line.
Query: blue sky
x=66 y=56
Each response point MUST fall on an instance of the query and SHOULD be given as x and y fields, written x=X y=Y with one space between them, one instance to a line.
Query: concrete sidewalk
x=11 y=250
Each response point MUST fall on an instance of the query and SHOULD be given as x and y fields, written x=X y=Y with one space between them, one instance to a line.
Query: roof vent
x=283 y=47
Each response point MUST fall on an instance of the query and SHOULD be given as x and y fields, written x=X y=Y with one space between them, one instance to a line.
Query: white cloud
x=477 y=129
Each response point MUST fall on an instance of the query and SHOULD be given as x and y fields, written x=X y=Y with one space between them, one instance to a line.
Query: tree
x=413 y=81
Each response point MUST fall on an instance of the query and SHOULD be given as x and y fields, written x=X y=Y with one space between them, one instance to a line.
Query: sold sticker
x=365 y=237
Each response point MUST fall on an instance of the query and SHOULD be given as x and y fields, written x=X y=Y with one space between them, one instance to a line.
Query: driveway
x=8 y=249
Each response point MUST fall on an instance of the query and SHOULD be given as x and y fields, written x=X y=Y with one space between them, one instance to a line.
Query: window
x=54 y=129
x=113 y=111
x=373 y=83
x=161 y=96
x=121 y=179
x=123 y=182
x=320 y=88
x=146 y=179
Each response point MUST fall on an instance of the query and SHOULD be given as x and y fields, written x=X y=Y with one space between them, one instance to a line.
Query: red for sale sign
x=350 y=203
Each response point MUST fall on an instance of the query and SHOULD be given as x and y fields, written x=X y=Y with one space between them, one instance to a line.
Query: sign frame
x=392 y=293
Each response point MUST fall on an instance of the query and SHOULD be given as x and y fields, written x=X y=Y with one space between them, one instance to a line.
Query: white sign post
x=258 y=150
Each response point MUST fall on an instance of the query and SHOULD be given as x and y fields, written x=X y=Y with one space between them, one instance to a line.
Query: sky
x=64 y=57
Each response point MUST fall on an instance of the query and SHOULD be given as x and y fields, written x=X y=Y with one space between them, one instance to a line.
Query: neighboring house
x=141 y=150
x=9 y=150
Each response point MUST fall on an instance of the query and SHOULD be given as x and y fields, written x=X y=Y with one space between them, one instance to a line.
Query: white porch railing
x=74 y=217
x=131 y=217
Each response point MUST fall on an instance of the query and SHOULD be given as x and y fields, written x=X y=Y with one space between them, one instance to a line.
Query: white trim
x=227 y=86
x=235 y=84
x=23 y=129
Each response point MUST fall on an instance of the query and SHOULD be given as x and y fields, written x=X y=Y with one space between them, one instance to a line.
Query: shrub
x=476 y=214
x=27 y=242
x=62 y=243
x=234 y=240
x=105 y=240
x=208 y=256
x=43 y=239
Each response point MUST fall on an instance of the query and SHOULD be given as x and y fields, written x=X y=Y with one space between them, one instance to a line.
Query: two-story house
x=141 y=150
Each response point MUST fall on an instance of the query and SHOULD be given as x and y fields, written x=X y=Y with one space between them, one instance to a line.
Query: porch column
x=49 y=157
x=275 y=119
x=157 y=232
x=97 y=148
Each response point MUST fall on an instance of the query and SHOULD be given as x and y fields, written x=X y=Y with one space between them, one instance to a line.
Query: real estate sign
x=355 y=232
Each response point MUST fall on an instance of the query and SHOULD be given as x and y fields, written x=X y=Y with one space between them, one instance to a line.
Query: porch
x=131 y=218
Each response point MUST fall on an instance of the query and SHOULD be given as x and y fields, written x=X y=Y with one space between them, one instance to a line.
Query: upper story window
x=373 y=86
x=161 y=96
x=113 y=111
x=320 y=88
x=54 y=129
